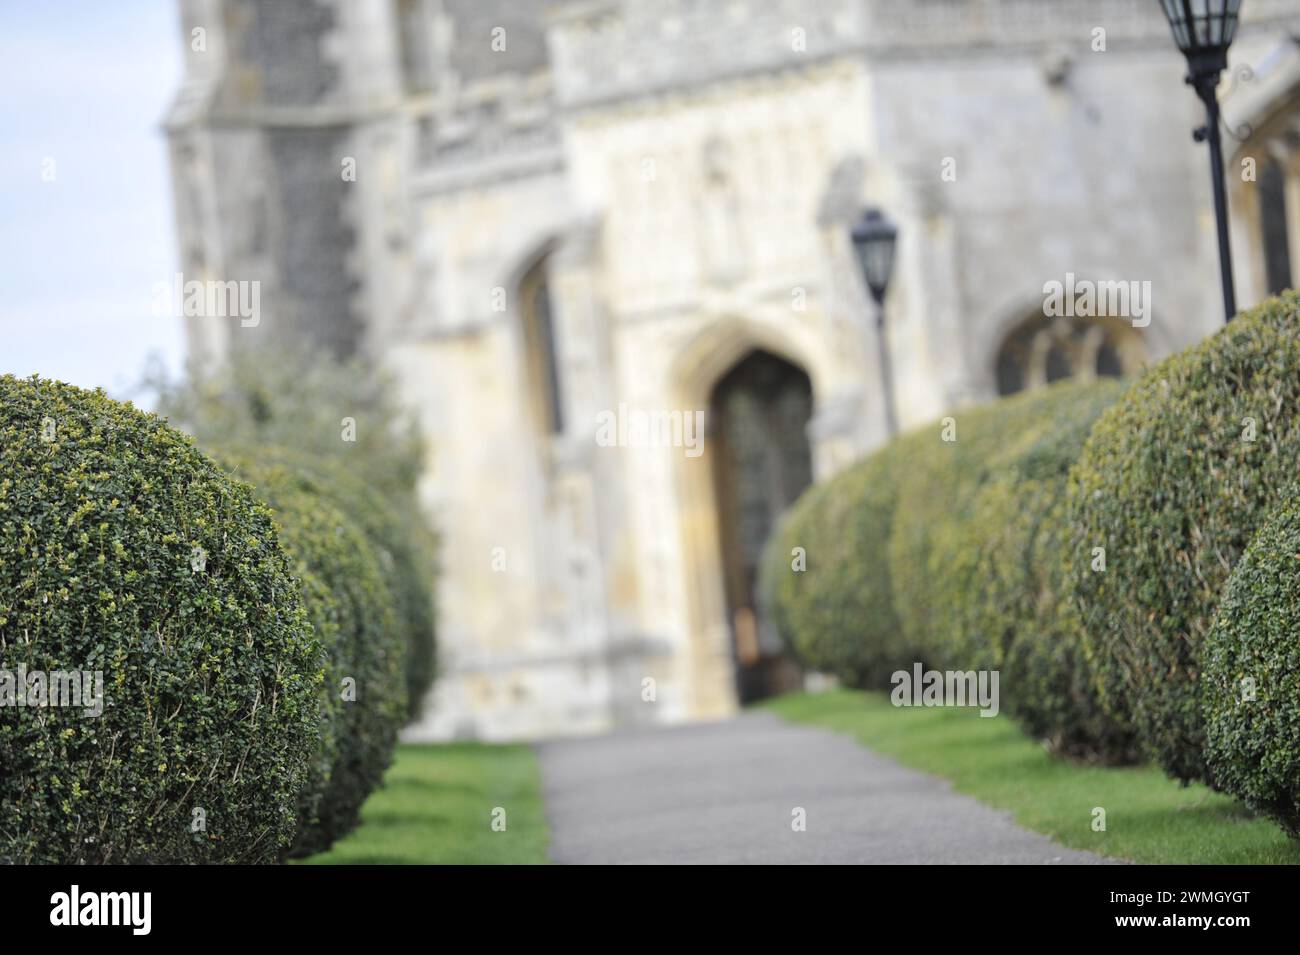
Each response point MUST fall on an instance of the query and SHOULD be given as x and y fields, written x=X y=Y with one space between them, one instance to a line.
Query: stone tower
x=289 y=150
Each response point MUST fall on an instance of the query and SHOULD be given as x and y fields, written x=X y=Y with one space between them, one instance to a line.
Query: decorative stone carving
x=723 y=243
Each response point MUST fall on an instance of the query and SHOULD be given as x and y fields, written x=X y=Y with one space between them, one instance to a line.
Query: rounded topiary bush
x=839 y=613
x=1015 y=603
x=400 y=533
x=363 y=696
x=406 y=550
x=1250 y=679
x=943 y=467
x=825 y=579
x=125 y=551
x=404 y=546
x=1173 y=482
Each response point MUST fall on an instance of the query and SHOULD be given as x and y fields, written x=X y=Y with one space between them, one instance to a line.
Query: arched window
x=1273 y=226
x=1042 y=350
x=542 y=368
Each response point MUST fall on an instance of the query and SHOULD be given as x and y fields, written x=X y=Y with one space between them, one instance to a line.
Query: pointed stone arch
x=702 y=362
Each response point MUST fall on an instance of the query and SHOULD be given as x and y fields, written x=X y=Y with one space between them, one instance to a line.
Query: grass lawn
x=436 y=807
x=1148 y=818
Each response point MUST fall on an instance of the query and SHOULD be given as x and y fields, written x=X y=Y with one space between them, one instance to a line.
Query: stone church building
x=603 y=245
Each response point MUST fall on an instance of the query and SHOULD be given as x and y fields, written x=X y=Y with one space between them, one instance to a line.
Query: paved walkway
x=724 y=793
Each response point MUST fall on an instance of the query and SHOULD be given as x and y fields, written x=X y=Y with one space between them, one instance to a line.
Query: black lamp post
x=1203 y=30
x=874 y=238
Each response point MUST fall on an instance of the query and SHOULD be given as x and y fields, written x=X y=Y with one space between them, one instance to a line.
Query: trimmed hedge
x=351 y=608
x=976 y=521
x=1253 y=744
x=404 y=545
x=1170 y=486
x=1015 y=605
x=407 y=550
x=211 y=672
x=932 y=562
x=400 y=534
x=836 y=614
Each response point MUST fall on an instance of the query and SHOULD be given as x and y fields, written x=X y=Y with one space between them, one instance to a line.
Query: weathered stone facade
x=561 y=209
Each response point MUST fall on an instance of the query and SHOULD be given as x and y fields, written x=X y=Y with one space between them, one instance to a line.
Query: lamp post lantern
x=874 y=239
x=1203 y=30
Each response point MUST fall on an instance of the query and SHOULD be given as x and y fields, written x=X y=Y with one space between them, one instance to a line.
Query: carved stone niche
x=722 y=244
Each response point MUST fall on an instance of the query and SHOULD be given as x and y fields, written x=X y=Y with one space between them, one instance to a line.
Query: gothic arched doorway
x=759 y=412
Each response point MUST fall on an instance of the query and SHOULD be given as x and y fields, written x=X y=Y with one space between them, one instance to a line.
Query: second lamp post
x=874 y=238
x=1203 y=30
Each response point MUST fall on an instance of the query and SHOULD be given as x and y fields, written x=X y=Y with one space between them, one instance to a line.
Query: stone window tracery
x=1043 y=350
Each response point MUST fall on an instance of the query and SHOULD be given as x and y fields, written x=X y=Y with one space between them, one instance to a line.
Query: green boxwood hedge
x=835 y=613
x=1173 y=483
x=352 y=609
x=403 y=543
x=1250 y=680
x=971 y=533
x=932 y=563
x=1015 y=606
x=400 y=534
x=125 y=550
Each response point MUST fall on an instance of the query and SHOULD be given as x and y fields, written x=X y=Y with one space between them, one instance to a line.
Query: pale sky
x=86 y=83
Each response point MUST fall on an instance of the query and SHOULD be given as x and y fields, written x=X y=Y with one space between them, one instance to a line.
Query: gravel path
x=725 y=793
